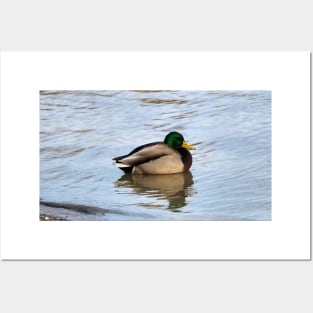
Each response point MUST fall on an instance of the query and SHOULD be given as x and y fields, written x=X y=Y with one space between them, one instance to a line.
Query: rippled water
x=81 y=131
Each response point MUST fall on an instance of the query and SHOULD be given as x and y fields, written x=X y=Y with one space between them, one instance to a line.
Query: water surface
x=81 y=131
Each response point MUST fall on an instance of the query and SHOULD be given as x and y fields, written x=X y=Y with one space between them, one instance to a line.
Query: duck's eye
x=179 y=140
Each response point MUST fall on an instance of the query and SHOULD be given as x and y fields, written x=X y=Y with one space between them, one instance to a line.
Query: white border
x=23 y=236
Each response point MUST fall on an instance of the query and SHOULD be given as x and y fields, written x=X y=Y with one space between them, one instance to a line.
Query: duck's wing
x=143 y=154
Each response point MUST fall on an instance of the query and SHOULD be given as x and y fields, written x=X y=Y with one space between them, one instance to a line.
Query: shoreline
x=46 y=217
x=53 y=211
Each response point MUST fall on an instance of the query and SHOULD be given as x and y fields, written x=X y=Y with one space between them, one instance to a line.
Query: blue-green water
x=230 y=179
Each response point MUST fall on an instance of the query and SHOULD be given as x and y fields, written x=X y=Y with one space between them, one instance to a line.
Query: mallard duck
x=167 y=157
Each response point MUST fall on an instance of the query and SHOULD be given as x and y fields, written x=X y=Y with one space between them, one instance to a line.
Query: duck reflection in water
x=173 y=187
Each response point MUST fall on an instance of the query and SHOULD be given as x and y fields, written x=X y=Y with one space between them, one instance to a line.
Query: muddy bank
x=54 y=211
x=45 y=217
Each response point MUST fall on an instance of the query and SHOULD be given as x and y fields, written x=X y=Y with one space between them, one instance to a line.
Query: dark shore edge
x=46 y=217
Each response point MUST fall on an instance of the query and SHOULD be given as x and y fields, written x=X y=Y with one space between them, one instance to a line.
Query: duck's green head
x=176 y=140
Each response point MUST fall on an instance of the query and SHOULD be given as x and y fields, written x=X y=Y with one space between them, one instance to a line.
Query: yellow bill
x=187 y=146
